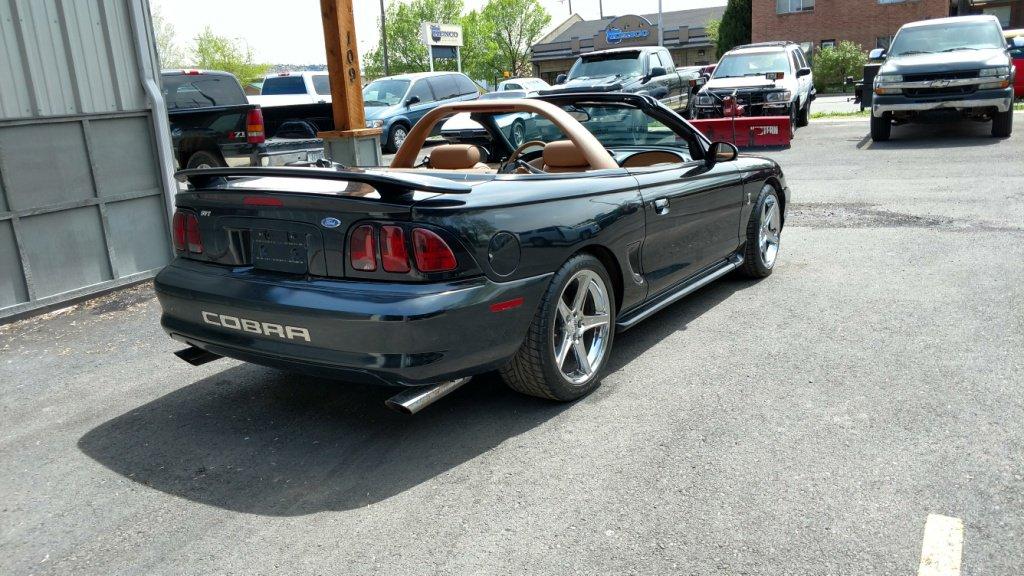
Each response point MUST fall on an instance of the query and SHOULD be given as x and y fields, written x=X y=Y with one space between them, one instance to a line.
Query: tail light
x=186 y=234
x=178 y=226
x=254 y=126
x=362 y=250
x=432 y=253
x=393 y=255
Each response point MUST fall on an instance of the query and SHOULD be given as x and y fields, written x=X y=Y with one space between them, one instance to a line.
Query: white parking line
x=943 y=546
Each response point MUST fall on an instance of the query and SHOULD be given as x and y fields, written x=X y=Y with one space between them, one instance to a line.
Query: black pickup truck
x=645 y=70
x=213 y=124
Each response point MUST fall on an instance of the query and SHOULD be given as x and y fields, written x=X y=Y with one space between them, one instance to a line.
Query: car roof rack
x=773 y=44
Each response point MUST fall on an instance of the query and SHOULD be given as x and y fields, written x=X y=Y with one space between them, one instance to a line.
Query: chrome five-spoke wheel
x=581 y=327
x=770 y=230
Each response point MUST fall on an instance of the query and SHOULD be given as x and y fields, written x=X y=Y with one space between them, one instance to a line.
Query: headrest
x=454 y=156
x=564 y=154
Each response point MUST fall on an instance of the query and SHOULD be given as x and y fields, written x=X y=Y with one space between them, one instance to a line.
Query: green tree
x=213 y=52
x=406 y=52
x=833 y=65
x=735 y=27
x=515 y=26
x=712 y=30
x=167 y=50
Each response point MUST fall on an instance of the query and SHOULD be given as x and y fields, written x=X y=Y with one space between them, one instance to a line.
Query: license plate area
x=280 y=250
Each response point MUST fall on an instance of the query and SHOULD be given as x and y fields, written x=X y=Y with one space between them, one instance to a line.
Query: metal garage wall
x=85 y=160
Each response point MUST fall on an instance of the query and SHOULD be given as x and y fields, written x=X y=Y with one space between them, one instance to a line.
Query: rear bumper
x=1001 y=100
x=396 y=334
x=275 y=156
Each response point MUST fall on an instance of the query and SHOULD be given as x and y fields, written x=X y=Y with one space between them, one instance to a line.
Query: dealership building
x=684 y=36
x=869 y=23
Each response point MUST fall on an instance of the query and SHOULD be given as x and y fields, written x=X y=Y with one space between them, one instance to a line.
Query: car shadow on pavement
x=935 y=135
x=257 y=440
x=261 y=441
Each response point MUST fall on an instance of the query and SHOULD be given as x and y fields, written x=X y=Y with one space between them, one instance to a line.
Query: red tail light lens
x=362 y=251
x=178 y=231
x=192 y=236
x=393 y=255
x=254 y=126
x=432 y=253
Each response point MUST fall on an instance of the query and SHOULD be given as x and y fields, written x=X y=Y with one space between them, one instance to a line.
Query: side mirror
x=412 y=100
x=721 y=152
x=803 y=72
x=876 y=54
x=560 y=79
x=657 y=71
x=848 y=80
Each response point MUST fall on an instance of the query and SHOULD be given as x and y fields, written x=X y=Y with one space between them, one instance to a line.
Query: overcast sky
x=290 y=32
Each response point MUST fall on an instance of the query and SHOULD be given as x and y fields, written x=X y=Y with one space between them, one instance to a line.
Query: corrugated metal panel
x=85 y=155
x=64 y=57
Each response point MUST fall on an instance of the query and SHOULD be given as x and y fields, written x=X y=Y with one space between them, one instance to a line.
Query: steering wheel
x=513 y=159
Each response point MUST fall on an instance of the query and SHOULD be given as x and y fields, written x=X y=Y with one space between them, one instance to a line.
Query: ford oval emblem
x=330 y=222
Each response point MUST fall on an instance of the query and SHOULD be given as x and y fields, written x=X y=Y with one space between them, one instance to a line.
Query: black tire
x=522 y=132
x=396 y=135
x=1002 y=123
x=804 y=117
x=881 y=127
x=204 y=159
x=794 y=114
x=754 y=264
x=534 y=370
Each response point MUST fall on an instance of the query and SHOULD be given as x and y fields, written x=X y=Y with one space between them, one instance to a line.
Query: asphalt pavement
x=808 y=423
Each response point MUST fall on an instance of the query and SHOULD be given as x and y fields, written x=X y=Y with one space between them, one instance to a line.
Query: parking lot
x=805 y=424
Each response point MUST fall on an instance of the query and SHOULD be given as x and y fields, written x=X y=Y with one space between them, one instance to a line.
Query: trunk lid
x=295 y=220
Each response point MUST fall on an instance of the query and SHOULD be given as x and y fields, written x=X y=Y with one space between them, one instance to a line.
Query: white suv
x=769 y=79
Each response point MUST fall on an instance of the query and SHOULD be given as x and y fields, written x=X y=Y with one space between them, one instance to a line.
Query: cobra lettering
x=255 y=327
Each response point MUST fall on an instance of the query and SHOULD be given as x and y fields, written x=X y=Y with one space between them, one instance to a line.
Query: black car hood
x=959 y=61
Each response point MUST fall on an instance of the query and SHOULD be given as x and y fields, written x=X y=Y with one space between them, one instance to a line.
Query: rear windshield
x=182 y=91
x=281 y=85
x=752 y=64
x=623 y=64
x=948 y=37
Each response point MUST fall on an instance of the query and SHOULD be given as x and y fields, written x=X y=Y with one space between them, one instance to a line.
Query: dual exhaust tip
x=408 y=401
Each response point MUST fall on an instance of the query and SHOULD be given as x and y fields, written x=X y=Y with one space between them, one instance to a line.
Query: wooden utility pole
x=346 y=81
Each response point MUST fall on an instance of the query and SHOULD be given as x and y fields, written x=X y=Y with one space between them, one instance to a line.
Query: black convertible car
x=442 y=266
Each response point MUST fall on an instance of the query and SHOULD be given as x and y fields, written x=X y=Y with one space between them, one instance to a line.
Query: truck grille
x=928 y=76
x=948 y=91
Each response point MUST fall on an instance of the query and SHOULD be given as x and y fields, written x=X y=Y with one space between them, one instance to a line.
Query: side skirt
x=648 y=309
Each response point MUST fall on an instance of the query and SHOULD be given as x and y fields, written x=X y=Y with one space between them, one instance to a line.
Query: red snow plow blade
x=747 y=131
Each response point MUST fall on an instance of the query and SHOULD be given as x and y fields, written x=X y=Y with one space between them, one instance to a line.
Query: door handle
x=661 y=206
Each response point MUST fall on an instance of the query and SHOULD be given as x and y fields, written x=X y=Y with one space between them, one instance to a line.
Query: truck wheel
x=793 y=119
x=881 y=127
x=1002 y=124
x=518 y=133
x=396 y=136
x=764 y=234
x=804 y=118
x=204 y=159
x=570 y=339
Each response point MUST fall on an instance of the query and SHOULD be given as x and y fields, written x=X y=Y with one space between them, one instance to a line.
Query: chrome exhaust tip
x=415 y=399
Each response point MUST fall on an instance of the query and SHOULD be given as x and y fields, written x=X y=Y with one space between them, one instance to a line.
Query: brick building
x=869 y=23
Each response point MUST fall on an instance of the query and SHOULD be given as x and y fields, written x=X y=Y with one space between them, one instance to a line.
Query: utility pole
x=384 y=38
x=600 y=8
x=661 y=27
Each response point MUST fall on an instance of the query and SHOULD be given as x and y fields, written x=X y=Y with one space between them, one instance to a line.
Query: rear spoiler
x=386 y=184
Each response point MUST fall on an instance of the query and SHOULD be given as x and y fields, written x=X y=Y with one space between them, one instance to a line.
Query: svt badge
x=330 y=222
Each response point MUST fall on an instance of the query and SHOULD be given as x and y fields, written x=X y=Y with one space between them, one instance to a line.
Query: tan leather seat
x=465 y=157
x=564 y=156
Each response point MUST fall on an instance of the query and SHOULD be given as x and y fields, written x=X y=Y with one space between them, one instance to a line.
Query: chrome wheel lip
x=769 y=231
x=582 y=327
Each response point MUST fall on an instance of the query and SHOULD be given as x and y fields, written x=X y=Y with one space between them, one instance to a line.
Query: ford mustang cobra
x=443 y=266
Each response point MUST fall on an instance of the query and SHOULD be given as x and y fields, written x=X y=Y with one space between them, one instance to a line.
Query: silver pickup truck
x=957 y=66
